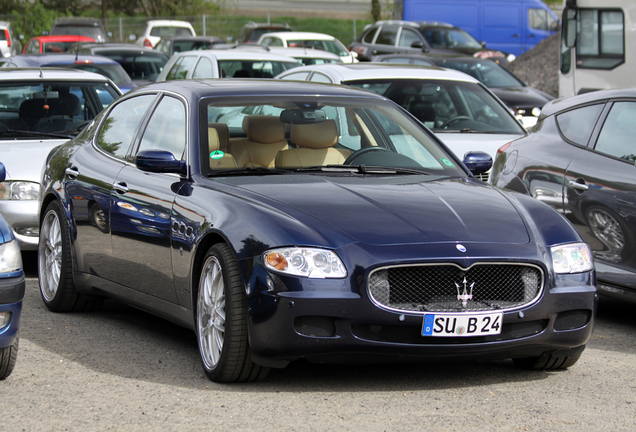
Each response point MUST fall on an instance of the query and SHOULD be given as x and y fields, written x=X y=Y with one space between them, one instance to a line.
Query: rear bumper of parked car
x=22 y=217
x=325 y=325
x=11 y=295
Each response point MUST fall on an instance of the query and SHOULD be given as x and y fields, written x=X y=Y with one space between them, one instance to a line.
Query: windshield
x=143 y=65
x=488 y=72
x=445 y=105
x=254 y=69
x=285 y=133
x=450 y=39
x=332 y=46
x=51 y=107
x=112 y=71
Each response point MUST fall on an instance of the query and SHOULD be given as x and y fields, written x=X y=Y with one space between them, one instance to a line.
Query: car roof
x=43 y=74
x=300 y=35
x=169 y=23
x=57 y=59
x=63 y=38
x=195 y=38
x=236 y=54
x=363 y=70
x=120 y=48
x=232 y=87
x=563 y=104
x=304 y=53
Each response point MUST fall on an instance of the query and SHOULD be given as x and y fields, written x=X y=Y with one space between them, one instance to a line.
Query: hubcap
x=211 y=313
x=50 y=255
x=607 y=229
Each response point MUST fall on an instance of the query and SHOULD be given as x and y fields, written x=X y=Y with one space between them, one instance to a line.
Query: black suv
x=400 y=37
x=252 y=32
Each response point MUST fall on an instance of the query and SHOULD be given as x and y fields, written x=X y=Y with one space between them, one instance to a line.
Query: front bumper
x=326 y=322
x=11 y=295
x=22 y=217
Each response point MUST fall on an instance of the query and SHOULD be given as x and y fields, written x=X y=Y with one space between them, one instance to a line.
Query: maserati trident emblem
x=464 y=296
x=461 y=248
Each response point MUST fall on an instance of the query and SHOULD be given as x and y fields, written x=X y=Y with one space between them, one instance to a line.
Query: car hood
x=24 y=159
x=461 y=143
x=402 y=210
x=522 y=97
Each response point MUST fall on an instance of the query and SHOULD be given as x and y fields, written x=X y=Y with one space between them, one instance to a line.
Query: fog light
x=5 y=318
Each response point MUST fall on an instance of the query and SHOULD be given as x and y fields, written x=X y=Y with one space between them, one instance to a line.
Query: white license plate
x=462 y=324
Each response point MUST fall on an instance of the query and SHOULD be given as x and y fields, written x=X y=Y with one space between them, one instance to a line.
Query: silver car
x=39 y=110
x=10 y=44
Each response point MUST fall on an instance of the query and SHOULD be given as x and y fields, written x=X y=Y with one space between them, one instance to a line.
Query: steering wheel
x=453 y=120
x=353 y=156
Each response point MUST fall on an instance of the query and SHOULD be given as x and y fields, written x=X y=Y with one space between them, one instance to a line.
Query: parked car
x=54 y=44
x=142 y=64
x=354 y=236
x=12 y=286
x=10 y=43
x=91 y=63
x=307 y=56
x=458 y=108
x=410 y=37
x=525 y=101
x=222 y=63
x=579 y=159
x=171 y=45
x=319 y=41
x=41 y=108
x=157 y=29
x=251 y=32
x=90 y=27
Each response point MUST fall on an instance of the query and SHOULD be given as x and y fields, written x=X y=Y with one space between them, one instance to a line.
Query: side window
x=204 y=69
x=33 y=47
x=318 y=77
x=408 y=37
x=540 y=19
x=600 y=39
x=387 y=36
x=577 y=125
x=617 y=136
x=181 y=68
x=300 y=76
x=368 y=38
x=119 y=127
x=267 y=41
x=166 y=129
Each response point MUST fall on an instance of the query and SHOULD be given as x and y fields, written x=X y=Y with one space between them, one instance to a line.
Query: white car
x=10 y=44
x=226 y=63
x=157 y=29
x=307 y=56
x=459 y=109
x=320 y=41
x=41 y=109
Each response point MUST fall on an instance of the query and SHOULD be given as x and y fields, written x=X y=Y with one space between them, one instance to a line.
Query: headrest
x=69 y=105
x=34 y=109
x=264 y=129
x=223 y=130
x=315 y=135
x=214 y=143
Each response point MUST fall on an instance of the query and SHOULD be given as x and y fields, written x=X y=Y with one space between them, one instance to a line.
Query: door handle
x=516 y=35
x=578 y=186
x=120 y=187
x=72 y=172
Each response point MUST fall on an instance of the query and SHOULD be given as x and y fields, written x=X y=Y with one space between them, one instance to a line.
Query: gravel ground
x=539 y=66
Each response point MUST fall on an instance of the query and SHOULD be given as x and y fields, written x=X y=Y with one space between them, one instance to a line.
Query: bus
x=597 y=46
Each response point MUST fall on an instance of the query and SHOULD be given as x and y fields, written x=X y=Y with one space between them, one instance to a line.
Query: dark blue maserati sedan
x=286 y=220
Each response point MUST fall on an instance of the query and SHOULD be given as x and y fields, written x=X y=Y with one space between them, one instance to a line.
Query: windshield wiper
x=15 y=132
x=247 y=171
x=467 y=130
x=362 y=169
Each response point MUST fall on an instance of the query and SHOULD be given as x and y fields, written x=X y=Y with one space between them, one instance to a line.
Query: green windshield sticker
x=217 y=154
x=447 y=162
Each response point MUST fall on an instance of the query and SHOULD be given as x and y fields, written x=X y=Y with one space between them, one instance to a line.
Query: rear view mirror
x=298 y=116
x=3 y=172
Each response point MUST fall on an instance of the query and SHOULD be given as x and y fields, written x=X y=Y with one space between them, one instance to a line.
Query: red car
x=53 y=44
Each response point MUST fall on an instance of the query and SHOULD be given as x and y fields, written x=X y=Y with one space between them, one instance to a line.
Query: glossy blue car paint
x=370 y=222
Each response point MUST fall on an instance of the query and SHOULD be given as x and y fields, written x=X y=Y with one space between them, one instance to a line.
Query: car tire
x=55 y=269
x=221 y=320
x=547 y=361
x=8 y=357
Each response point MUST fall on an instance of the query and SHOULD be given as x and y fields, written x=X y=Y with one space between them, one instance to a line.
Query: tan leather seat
x=265 y=138
x=218 y=158
x=224 y=135
x=315 y=146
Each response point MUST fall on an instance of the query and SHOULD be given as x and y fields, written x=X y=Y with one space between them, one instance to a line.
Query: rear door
x=502 y=26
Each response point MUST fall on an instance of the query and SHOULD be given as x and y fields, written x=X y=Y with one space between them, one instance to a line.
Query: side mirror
x=569 y=27
x=417 y=44
x=3 y=172
x=159 y=161
x=483 y=44
x=45 y=32
x=478 y=162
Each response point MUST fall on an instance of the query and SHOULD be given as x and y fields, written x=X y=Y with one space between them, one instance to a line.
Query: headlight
x=19 y=191
x=10 y=257
x=306 y=262
x=572 y=258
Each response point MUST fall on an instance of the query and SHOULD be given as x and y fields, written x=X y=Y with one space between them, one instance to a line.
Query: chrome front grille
x=450 y=288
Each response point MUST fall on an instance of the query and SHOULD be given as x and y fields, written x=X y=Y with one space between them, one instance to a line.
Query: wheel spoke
x=211 y=312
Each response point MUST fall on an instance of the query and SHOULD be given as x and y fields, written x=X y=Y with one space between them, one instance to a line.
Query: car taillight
x=147 y=43
x=7 y=36
x=503 y=148
x=83 y=61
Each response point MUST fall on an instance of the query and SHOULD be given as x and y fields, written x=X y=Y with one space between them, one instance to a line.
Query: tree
x=376 y=10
